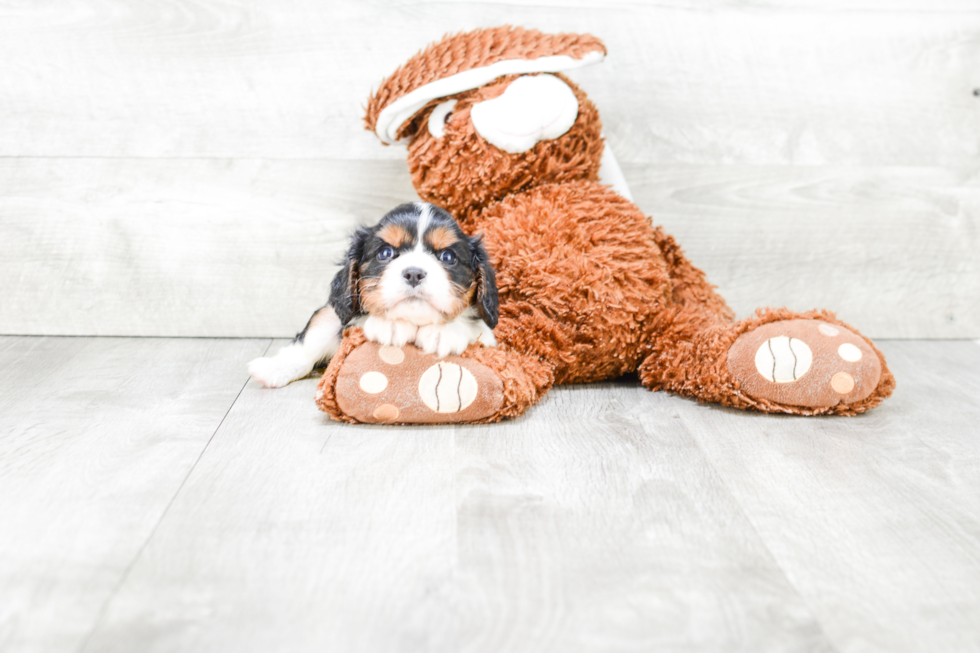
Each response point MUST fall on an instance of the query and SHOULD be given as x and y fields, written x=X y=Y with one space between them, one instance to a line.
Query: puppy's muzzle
x=413 y=276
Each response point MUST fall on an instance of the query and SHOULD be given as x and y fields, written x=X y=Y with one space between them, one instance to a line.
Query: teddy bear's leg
x=690 y=289
x=778 y=361
x=367 y=382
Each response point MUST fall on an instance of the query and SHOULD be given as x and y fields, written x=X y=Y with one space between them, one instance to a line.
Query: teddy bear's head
x=487 y=113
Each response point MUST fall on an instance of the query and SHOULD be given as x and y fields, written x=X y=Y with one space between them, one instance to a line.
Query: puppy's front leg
x=454 y=337
x=317 y=342
x=389 y=332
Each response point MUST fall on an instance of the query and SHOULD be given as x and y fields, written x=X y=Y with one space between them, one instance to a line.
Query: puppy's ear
x=486 y=282
x=344 y=297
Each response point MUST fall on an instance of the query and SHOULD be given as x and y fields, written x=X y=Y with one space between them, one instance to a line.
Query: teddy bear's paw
x=404 y=385
x=808 y=363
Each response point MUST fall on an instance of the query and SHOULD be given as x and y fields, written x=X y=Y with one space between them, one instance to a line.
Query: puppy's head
x=415 y=265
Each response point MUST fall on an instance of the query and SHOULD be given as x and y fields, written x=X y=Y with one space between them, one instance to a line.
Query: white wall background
x=192 y=167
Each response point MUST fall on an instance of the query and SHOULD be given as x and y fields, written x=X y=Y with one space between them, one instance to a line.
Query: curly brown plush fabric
x=463 y=173
x=326 y=390
x=579 y=275
x=464 y=51
x=589 y=288
x=690 y=354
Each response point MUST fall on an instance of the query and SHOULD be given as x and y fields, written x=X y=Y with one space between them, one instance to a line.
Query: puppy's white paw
x=277 y=371
x=444 y=339
x=389 y=332
x=486 y=337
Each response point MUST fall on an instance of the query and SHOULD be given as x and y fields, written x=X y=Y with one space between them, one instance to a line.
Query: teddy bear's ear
x=469 y=60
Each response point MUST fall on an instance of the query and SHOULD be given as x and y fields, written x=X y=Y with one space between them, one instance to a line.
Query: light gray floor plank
x=296 y=533
x=608 y=518
x=569 y=530
x=96 y=436
x=876 y=520
x=592 y=525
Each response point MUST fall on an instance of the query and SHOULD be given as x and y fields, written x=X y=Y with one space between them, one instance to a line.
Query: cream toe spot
x=386 y=413
x=842 y=383
x=391 y=355
x=373 y=382
x=849 y=352
x=828 y=330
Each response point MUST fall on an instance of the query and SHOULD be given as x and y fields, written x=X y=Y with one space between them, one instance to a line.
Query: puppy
x=415 y=277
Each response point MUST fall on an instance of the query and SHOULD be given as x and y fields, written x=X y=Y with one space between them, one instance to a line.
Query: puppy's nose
x=413 y=276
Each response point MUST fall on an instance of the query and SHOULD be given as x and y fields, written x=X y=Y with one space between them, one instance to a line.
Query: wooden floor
x=153 y=500
x=190 y=169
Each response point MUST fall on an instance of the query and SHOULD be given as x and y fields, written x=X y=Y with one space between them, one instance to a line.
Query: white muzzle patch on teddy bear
x=531 y=109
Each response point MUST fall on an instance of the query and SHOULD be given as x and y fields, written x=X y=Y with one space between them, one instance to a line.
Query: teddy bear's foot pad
x=402 y=385
x=808 y=363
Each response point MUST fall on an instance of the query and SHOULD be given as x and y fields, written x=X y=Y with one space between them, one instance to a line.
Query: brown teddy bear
x=589 y=289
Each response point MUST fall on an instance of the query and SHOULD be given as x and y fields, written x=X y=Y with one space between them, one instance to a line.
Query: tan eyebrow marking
x=440 y=238
x=393 y=234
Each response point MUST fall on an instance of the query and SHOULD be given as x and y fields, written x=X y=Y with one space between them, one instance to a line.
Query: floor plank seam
x=455 y=591
x=721 y=479
x=163 y=515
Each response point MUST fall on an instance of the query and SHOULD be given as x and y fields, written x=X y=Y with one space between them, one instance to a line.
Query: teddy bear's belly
x=579 y=275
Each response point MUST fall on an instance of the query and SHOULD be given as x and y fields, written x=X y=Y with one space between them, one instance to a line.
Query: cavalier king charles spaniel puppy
x=415 y=277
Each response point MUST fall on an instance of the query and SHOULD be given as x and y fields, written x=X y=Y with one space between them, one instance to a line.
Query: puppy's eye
x=447 y=257
x=385 y=253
